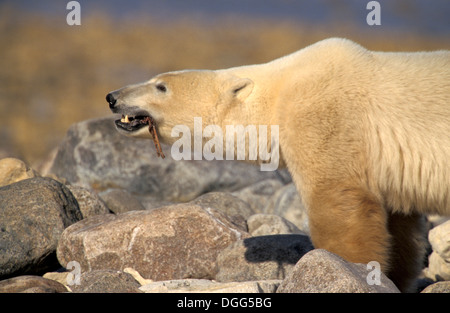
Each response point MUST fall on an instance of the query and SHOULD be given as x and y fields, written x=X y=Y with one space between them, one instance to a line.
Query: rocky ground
x=104 y=214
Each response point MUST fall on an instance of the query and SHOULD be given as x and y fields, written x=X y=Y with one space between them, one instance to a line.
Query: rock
x=271 y=196
x=152 y=202
x=208 y=286
x=120 y=201
x=436 y=220
x=106 y=281
x=29 y=283
x=94 y=155
x=439 y=260
x=38 y=290
x=439 y=238
x=286 y=202
x=269 y=224
x=88 y=201
x=141 y=280
x=258 y=194
x=60 y=277
x=284 y=176
x=438 y=268
x=236 y=209
x=439 y=287
x=174 y=242
x=33 y=214
x=177 y=285
x=260 y=258
x=13 y=170
x=320 y=271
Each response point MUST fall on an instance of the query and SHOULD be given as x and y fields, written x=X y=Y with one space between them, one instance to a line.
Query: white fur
x=344 y=112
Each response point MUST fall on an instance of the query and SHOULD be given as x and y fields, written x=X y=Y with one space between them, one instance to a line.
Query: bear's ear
x=237 y=87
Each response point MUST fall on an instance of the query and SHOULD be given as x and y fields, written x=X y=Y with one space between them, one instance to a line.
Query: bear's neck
x=259 y=105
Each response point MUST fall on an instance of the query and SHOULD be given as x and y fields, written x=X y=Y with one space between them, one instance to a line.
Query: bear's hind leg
x=408 y=249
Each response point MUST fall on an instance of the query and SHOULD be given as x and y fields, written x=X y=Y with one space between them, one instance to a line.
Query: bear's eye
x=161 y=87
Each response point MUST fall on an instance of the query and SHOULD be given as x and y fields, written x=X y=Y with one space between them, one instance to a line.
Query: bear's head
x=175 y=98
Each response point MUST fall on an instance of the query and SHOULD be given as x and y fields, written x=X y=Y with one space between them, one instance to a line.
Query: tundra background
x=53 y=75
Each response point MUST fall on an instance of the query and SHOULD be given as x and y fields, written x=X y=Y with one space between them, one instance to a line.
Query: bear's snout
x=111 y=98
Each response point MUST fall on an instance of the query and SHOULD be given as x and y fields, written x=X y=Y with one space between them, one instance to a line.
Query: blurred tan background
x=53 y=75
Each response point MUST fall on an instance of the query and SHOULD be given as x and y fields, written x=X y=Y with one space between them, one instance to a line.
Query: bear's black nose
x=111 y=99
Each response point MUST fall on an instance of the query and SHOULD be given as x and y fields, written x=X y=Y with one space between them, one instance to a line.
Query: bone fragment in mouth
x=152 y=130
x=135 y=121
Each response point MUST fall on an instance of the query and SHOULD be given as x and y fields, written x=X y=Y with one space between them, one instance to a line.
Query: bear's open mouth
x=133 y=123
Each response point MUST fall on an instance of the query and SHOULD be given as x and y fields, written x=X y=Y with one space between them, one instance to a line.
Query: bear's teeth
x=125 y=119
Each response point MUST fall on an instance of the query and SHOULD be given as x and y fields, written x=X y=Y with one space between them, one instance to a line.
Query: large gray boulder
x=33 y=214
x=96 y=156
x=174 y=242
x=320 y=271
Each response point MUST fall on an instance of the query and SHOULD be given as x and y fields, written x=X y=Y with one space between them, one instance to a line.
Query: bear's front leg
x=349 y=221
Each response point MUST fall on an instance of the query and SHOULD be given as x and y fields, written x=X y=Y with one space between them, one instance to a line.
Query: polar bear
x=364 y=134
